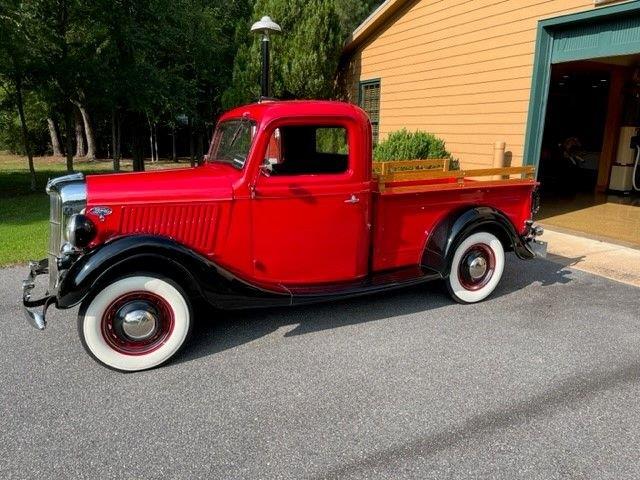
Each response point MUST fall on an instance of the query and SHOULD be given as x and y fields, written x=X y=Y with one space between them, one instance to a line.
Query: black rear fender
x=450 y=232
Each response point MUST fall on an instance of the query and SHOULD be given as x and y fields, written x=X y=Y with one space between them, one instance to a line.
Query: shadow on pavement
x=216 y=331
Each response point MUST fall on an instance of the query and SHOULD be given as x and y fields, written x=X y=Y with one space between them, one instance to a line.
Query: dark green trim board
x=538 y=99
x=607 y=38
x=601 y=32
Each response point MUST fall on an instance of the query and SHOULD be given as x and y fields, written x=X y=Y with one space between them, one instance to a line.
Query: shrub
x=405 y=145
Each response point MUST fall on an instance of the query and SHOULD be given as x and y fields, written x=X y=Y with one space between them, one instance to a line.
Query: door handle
x=352 y=199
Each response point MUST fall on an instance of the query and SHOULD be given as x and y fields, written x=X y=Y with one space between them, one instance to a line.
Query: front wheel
x=135 y=323
x=476 y=269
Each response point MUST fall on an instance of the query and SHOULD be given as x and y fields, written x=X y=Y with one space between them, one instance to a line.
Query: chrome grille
x=67 y=195
x=55 y=237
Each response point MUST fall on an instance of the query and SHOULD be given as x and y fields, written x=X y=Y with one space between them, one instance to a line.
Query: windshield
x=232 y=141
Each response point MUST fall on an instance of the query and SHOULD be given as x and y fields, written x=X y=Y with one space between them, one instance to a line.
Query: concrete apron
x=609 y=260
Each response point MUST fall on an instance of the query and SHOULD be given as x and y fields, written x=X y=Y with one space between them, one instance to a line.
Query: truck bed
x=408 y=203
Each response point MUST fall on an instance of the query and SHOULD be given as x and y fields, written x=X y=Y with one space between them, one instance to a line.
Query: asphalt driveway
x=540 y=381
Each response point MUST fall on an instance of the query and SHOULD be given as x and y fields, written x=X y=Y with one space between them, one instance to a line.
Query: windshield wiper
x=236 y=134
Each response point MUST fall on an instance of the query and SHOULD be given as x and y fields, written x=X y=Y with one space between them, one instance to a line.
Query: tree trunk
x=114 y=141
x=155 y=140
x=68 y=122
x=136 y=147
x=174 y=157
x=88 y=130
x=80 y=150
x=119 y=138
x=200 y=149
x=153 y=158
x=119 y=141
x=25 y=130
x=113 y=137
x=55 y=137
x=191 y=145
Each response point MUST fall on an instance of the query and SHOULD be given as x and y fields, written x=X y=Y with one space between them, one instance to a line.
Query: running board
x=376 y=283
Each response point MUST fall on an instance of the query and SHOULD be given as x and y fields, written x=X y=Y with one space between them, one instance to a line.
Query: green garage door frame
x=602 y=32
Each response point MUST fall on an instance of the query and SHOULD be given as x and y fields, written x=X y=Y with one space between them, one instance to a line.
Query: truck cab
x=310 y=195
x=286 y=209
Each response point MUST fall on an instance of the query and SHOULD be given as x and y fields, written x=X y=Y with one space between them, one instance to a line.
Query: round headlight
x=80 y=230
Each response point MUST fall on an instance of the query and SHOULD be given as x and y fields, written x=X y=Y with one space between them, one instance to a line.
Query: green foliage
x=132 y=64
x=352 y=12
x=332 y=140
x=304 y=57
x=405 y=145
x=10 y=132
x=154 y=60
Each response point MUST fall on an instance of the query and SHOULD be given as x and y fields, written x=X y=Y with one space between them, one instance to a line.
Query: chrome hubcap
x=477 y=268
x=139 y=324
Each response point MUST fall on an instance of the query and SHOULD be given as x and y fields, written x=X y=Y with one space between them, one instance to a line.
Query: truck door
x=311 y=207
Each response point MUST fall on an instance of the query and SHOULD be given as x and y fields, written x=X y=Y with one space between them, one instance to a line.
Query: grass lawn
x=24 y=229
x=24 y=226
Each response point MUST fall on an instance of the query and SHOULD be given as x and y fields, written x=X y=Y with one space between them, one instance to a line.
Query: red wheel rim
x=144 y=305
x=476 y=267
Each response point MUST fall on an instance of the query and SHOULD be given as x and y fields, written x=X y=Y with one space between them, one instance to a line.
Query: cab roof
x=271 y=109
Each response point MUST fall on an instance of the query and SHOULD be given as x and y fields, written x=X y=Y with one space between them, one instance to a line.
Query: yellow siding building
x=461 y=69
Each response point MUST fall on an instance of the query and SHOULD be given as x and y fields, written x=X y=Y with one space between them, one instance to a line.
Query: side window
x=308 y=150
x=370 y=103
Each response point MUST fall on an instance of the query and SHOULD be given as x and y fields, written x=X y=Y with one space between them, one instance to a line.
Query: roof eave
x=373 y=23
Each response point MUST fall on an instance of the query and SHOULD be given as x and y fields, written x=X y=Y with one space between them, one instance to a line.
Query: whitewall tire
x=135 y=323
x=476 y=268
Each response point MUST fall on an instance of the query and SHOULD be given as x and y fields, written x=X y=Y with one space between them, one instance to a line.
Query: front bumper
x=36 y=310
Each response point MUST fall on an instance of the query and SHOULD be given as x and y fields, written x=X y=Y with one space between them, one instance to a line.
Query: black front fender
x=450 y=232
x=148 y=253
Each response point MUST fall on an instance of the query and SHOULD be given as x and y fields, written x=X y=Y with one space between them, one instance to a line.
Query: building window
x=370 y=103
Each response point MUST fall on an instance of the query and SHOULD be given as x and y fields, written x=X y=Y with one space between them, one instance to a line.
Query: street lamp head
x=265 y=25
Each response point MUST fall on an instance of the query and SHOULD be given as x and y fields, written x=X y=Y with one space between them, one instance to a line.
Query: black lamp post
x=264 y=27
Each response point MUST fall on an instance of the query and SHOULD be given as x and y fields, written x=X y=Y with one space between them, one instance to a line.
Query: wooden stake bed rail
x=397 y=173
x=437 y=164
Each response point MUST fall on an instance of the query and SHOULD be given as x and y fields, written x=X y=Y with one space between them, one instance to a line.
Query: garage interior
x=587 y=160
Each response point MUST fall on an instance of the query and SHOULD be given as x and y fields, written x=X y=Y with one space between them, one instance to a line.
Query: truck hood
x=206 y=183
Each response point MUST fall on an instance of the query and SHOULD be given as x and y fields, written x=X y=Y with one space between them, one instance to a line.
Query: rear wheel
x=476 y=268
x=135 y=323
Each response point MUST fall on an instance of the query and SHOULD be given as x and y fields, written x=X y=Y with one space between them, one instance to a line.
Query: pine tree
x=305 y=57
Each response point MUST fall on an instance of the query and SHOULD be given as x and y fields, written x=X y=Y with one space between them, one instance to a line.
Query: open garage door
x=605 y=32
x=584 y=110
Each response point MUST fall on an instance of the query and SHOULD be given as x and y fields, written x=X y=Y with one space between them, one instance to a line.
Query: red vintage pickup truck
x=285 y=210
